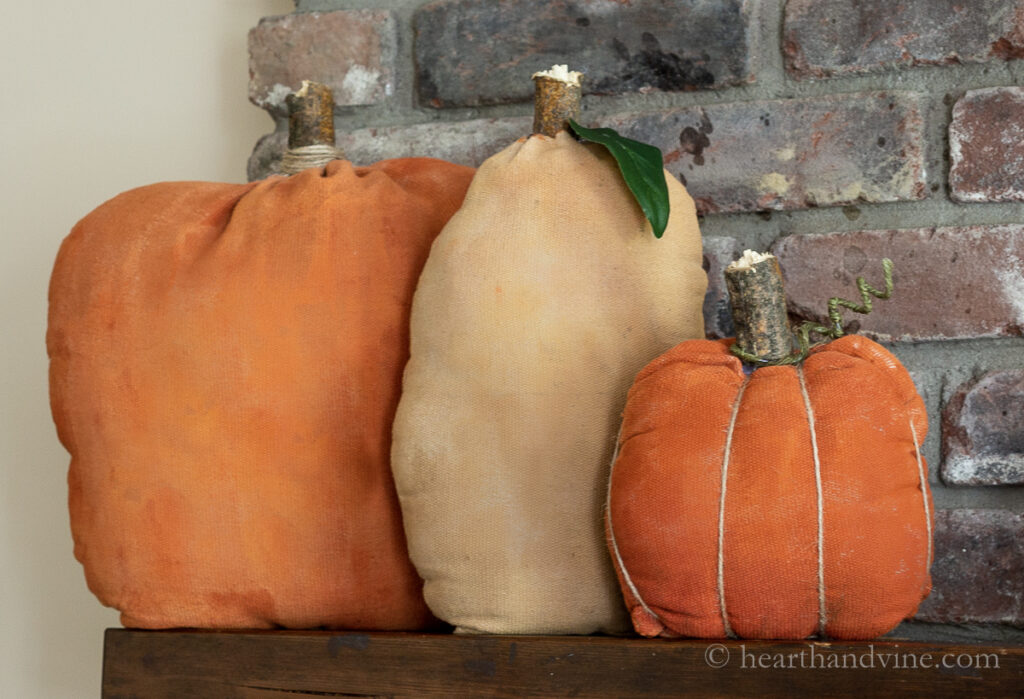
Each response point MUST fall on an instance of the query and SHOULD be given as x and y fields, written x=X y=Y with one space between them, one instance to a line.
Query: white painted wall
x=95 y=98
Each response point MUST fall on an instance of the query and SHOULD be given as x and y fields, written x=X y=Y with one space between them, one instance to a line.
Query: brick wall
x=834 y=132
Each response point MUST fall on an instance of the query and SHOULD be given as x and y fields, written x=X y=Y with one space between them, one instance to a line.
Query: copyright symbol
x=716 y=655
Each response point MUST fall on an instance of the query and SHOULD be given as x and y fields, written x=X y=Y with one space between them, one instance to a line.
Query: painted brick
x=823 y=38
x=750 y=156
x=950 y=283
x=983 y=432
x=352 y=51
x=978 y=572
x=475 y=52
x=719 y=251
x=790 y=154
x=986 y=146
x=463 y=142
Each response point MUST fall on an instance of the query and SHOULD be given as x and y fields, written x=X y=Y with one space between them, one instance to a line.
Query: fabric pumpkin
x=225 y=366
x=774 y=503
x=541 y=299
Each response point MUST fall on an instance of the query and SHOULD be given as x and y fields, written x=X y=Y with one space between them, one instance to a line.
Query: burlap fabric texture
x=542 y=298
x=785 y=503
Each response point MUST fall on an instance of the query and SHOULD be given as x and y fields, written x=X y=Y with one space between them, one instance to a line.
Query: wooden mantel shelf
x=291 y=664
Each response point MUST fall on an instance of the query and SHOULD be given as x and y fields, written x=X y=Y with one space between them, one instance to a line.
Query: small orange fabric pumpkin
x=225 y=366
x=774 y=503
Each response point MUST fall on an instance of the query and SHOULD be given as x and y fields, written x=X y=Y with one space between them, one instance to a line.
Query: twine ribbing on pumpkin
x=612 y=542
x=304 y=157
x=922 y=475
x=721 y=508
x=821 y=501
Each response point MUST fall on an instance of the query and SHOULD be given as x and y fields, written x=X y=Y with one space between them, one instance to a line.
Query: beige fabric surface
x=540 y=301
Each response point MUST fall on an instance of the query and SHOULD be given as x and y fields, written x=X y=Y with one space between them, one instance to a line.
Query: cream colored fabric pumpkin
x=540 y=301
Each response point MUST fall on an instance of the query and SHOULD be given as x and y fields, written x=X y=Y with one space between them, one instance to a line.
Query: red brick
x=352 y=51
x=983 y=432
x=950 y=283
x=790 y=154
x=462 y=142
x=986 y=146
x=823 y=38
x=978 y=573
x=474 y=52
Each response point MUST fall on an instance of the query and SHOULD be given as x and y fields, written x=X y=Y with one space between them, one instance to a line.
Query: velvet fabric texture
x=542 y=298
x=225 y=366
x=789 y=502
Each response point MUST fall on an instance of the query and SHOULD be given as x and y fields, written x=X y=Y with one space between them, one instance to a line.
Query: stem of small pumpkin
x=758 y=301
x=556 y=100
x=310 y=128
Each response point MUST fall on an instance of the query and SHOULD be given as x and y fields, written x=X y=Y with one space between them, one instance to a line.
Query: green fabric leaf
x=642 y=168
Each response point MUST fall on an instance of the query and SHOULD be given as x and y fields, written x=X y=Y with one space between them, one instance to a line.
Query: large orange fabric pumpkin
x=225 y=365
x=780 y=502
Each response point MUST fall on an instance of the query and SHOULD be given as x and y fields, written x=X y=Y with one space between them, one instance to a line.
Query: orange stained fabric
x=690 y=559
x=225 y=366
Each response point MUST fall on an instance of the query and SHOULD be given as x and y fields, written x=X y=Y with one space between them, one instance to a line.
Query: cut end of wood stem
x=561 y=72
x=556 y=99
x=310 y=128
x=758 y=301
x=749 y=259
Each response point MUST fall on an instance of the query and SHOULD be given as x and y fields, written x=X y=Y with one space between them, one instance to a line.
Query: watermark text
x=817 y=657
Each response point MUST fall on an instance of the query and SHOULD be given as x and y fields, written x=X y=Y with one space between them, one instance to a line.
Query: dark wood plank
x=287 y=664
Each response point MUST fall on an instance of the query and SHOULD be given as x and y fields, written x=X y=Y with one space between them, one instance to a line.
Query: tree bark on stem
x=555 y=102
x=310 y=128
x=310 y=116
x=758 y=302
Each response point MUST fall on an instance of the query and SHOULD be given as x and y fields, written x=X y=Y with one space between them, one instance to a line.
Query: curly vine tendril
x=834 y=330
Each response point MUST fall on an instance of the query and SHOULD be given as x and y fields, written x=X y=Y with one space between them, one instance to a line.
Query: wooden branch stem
x=310 y=128
x=310 y=116
x=555 y=102
x=758 y=302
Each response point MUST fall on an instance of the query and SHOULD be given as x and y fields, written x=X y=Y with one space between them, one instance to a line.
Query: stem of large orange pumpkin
x=310 y=128
x=556 y=99
x=758 y=301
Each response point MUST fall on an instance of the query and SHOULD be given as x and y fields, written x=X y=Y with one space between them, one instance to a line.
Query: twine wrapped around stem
x=310 y=129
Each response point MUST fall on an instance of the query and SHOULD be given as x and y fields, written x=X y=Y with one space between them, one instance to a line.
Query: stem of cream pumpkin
x=758 y=302
x=310 y=128
x=556 y=100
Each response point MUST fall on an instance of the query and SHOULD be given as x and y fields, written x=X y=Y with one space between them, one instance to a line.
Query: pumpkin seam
x=613 y=543
x=822 y=616
x=721 y=507
x=924 y=498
